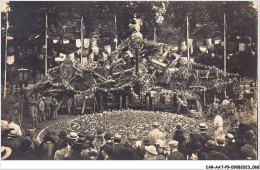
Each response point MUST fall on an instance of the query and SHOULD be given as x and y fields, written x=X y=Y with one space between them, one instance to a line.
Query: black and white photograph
x=130 y=80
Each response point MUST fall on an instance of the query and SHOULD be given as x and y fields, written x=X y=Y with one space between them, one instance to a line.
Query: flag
x=66 y=41
x=61 y=58
x=242 y=47
x=217 y=41
x=203 y=49
x=10 y=59
x=78 y=43
x=55 y=41
x=86 y=42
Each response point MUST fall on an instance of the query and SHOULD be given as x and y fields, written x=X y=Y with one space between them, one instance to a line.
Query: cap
x=173 y=143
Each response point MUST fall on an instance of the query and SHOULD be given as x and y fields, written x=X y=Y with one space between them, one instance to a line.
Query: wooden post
x=121 y=102
x=82 y=41
x=101 y=103
x=127 y=101
x=188 y=49
x=172 y=105
x=204 y=97
x=147 y=102
x=6 y=33
x=46 y=36
x=152 y=98
x=225 y=51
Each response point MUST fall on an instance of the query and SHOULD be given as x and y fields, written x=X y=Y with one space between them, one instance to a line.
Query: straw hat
x=5 y=152
x=160 y=143
x=13 y=132
x=202 y=126
x=151 y=149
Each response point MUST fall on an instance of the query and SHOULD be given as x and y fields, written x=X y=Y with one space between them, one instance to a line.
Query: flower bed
x=131 y=121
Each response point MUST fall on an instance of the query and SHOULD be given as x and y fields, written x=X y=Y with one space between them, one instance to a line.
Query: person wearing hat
x=6 y=153
x=107 y=141
x=160 y=148
x=106 y=152
x=99 y=140
x=63 y=151
x=230 y=144
x=248 y=152
x=203 y=136
x=130 y=147
x=221 y=146
x=25 y=152
x=46 y=147
x=155 y=134
x=215 y=108
x=42 y=115
x=174 y=153
x=194 y=151
x=90 y=138
x=30 y=134
x=179 y=136
x=224 y=106
x=12 y=141
x=151 y=153
x=62 y=137
x=212 y=153
x=118 y=148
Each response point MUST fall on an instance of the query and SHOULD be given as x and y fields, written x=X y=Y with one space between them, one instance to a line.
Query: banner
x=203 y=49
x=61 y=58
x=78 y=43
x=66 y=41
x=10 y=59
x=55 y=41
x=242 y=47
x=86 y=42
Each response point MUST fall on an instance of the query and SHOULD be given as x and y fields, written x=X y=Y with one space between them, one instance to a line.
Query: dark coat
x=76 y=152
x=100 y=157
x=118 y=151
x=214 y=155
x=13 y=143
x=25 y=156
x=131 y=153
x=176 y=156
x=222 y=149
x=46 y=150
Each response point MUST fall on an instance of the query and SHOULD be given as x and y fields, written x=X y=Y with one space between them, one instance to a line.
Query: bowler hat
x=132 y=137
x=210 y=144
x=99 y=131
x=221 y=140
x=90 y=137
x=147 y=142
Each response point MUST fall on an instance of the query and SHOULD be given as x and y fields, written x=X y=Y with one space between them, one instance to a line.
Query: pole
x=81 y=54
x=188 y=49
x=6 y=33
x=116 y=32
x=154 y=34
x=225 y=50
x=46 y=60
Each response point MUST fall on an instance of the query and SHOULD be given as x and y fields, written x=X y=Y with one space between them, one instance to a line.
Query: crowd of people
x=239 y=144
x=43 y=109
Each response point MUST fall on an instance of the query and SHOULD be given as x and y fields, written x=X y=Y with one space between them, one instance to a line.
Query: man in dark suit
x=212 y=153
x=118 y=149
x=130 y=148
x=13 y=141
x=174 y=153
x=203 y=136
x=221 y=144
x=108 y=141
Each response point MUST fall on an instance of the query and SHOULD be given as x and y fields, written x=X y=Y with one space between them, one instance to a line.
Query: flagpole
x=154 y=34
x=81 y=54
x=46 y=59
x=6 y=31
x=225 y=50
x=188 y=49
x=116 y=31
